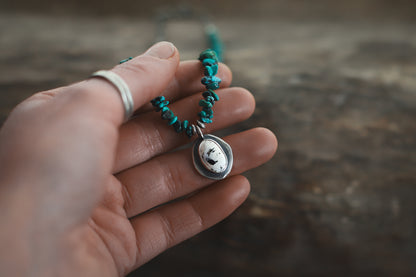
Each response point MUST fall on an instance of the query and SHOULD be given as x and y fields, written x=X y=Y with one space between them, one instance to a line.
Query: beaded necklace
x=212 y=156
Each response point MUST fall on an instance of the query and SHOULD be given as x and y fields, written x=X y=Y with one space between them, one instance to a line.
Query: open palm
x=86 y=195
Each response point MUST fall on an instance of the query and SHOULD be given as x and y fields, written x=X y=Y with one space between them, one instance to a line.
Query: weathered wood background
x=335 y=80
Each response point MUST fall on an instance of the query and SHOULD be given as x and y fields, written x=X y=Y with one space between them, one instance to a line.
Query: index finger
x=146 y=76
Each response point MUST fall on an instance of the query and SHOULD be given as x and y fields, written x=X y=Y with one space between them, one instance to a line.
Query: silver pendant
x=213 y=157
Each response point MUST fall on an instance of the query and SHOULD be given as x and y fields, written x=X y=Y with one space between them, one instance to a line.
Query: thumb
x=146 y=75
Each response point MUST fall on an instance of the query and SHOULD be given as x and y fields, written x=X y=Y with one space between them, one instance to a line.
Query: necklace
x=212 y=156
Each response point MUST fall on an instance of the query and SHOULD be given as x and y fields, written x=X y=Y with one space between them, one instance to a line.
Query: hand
x=78 y=187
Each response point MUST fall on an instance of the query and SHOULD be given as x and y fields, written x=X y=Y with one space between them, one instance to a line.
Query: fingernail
x=161 y=50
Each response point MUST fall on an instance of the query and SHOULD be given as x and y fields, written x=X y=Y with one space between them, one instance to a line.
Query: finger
x=187 y=81
x=173 y=175
x=149 y=135
x=168 y=225
x=146 y=76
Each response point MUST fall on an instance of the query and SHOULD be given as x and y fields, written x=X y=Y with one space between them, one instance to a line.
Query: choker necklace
x=212 y=156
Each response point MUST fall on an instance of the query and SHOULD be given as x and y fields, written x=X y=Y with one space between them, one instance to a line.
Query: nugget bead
x=177 y=126
x=205 y=103
x=211 y=93
x=209 y=61
x=168 y=115
x=173 y=120
x=208 y=54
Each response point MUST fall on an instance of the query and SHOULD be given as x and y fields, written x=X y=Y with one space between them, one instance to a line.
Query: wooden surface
x=339 y=197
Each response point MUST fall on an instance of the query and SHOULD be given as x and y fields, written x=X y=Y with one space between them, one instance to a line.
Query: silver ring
x=122 y=88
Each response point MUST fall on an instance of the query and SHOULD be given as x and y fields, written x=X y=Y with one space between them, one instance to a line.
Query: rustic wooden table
x=340 y=93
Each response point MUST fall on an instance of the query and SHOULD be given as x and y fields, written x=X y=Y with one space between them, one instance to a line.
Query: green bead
x=162 y=105
x=210 y=99
x=208 y=54
x=216 y=79
x=167 y=115
x=215 y=42
x=209 y=59
x=157 y=100
x=173 y=120
x=206 y=93
x=210 y=92
x=209 y=62
x=205 y=104
x=126 y=60
x=208 y=71
x=216 y=98
x=213 y=85
x=206 y=120
x=208 y=111
x=214 y=69
x=211 y=82
x=206 y=115
x=189 y=131
x=202 y=114
x=177 y=126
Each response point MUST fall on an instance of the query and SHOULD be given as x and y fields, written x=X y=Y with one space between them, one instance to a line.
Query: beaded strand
x=209 y=60
x=126 y=60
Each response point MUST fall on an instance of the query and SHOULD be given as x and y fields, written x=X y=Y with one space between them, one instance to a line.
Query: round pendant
x=213 y=157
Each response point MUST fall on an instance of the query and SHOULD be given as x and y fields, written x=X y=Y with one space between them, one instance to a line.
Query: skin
x=78 y=188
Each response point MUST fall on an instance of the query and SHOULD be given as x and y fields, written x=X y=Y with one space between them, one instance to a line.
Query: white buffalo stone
x=213 y=156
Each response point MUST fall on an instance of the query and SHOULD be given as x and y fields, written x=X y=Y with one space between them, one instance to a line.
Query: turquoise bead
x=126 y=60
x=177 y=126
x=210 y=99
x=206 y=120
x=208 y=54
x=206 y=80
x=206 y=93
x=189 y=131
x=208 y=71
x=202 y=114
x=213 y=85
x=157 y=100
x=209 y=115
x=214 y=69
x=209 y=62
x=208 y=111
x=210 y=92
x=163 y=104
x=215 y=42
x=216 y=98
x=173 y=120
x=205 y=104
x=211 y=82
x=216 y=79
x=210 y=79
x=167 y=115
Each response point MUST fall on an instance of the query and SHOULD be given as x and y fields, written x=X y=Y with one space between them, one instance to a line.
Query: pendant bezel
x=199 y=166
